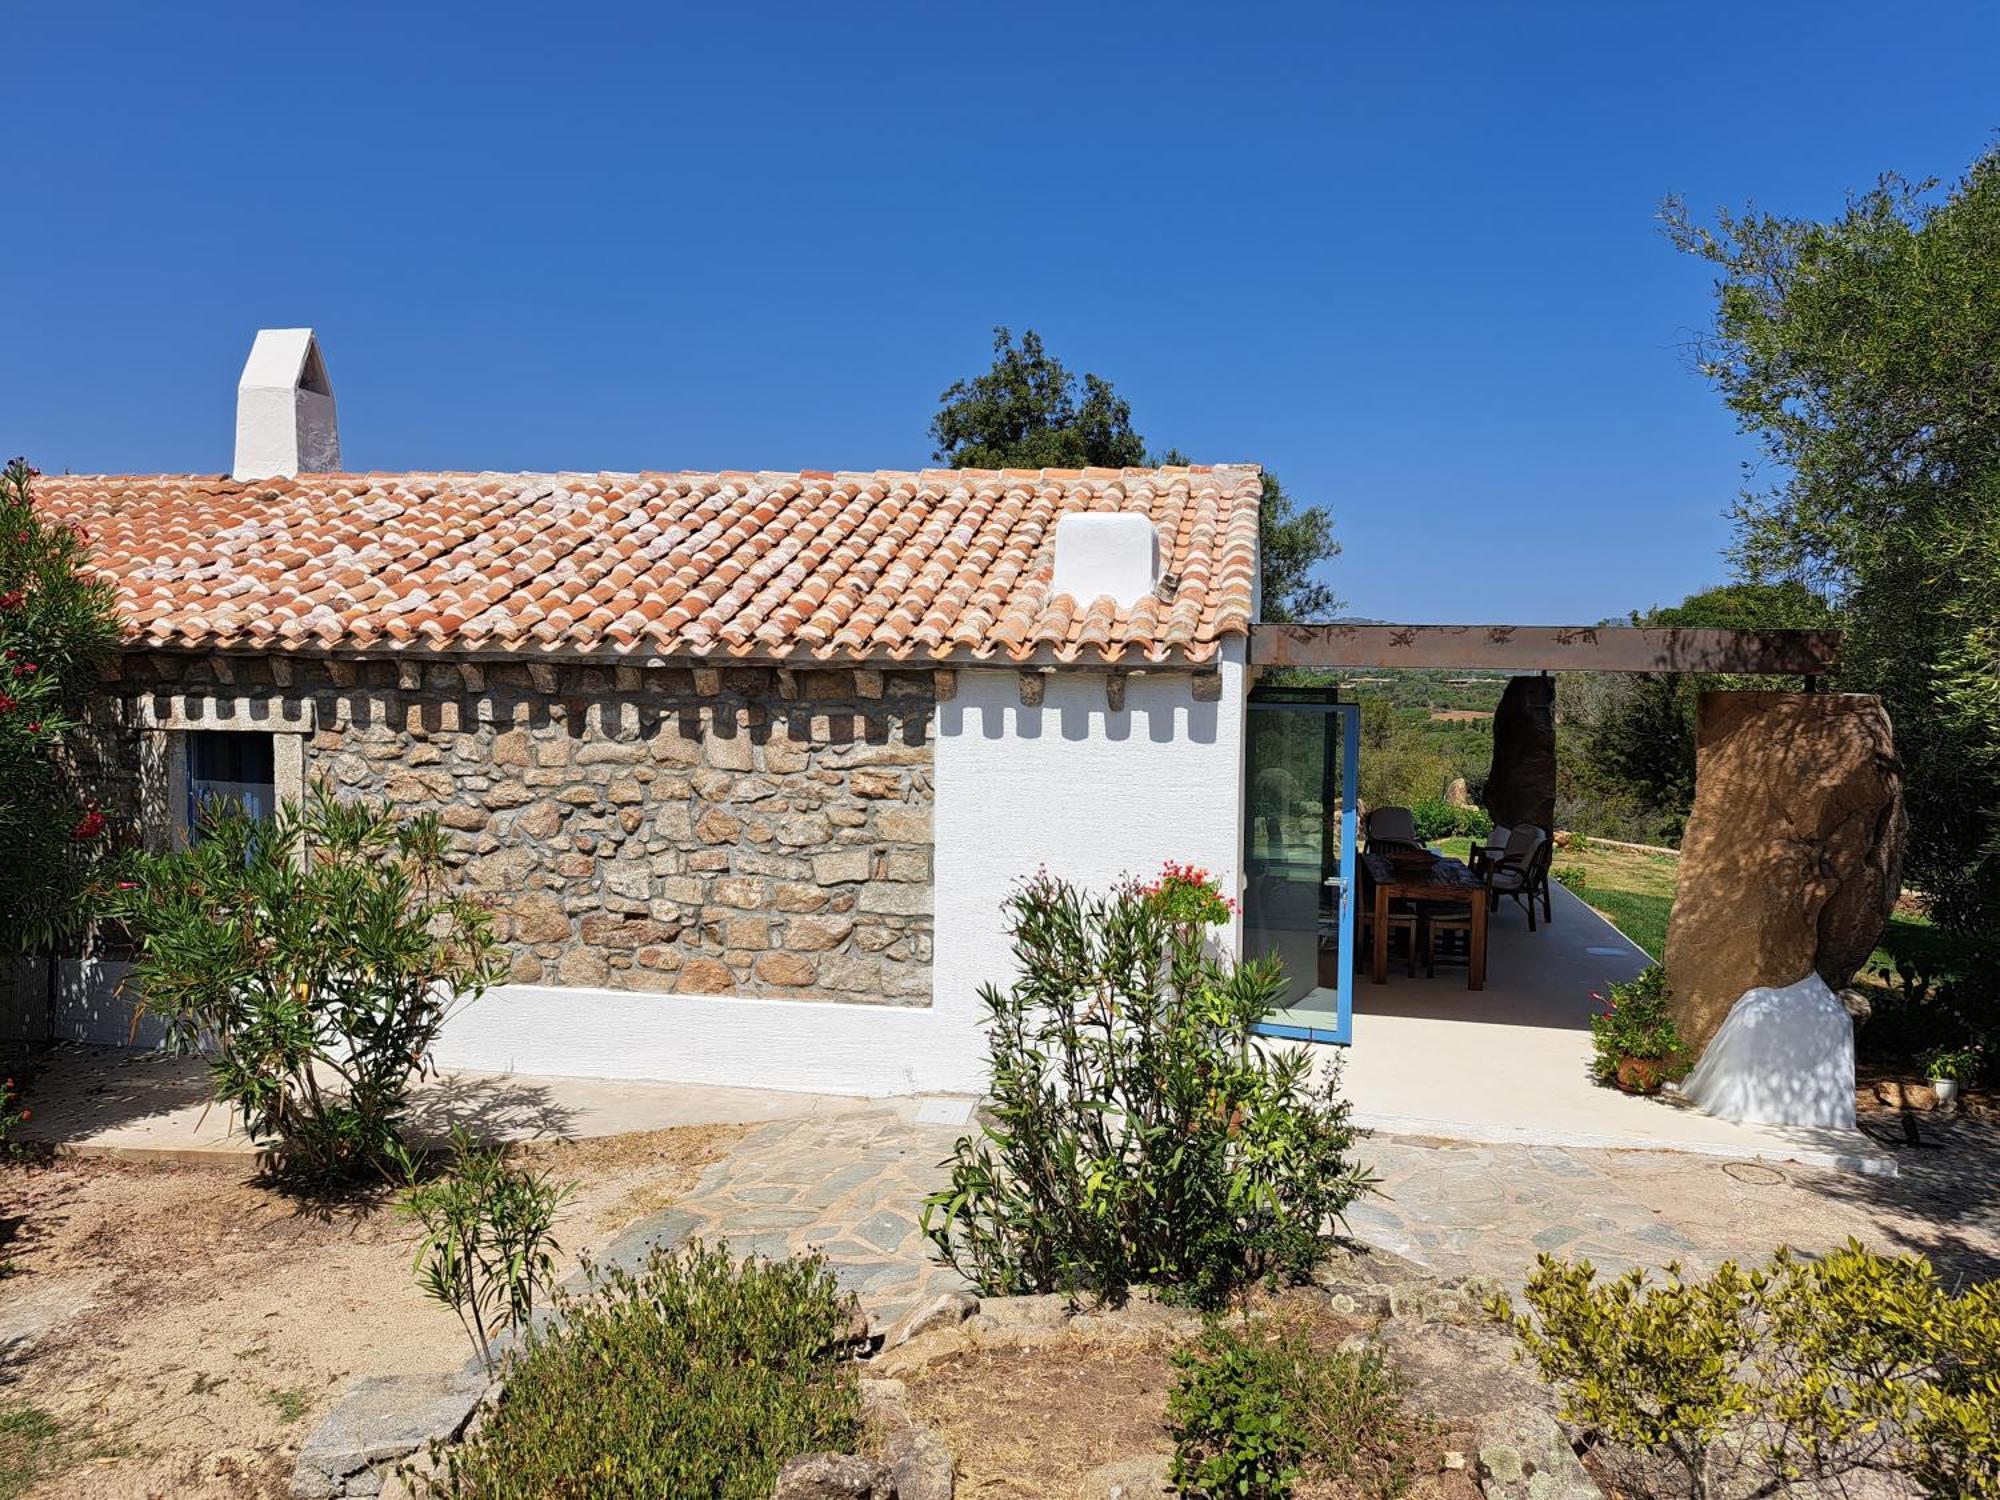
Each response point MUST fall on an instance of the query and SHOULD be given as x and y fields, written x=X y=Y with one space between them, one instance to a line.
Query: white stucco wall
x=1069 y=784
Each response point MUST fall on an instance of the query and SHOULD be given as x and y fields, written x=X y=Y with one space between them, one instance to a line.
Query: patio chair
x=1393 y=825
x=1447 y=935
x=1403 y=922
x=1485 y=851
x=1522 y=871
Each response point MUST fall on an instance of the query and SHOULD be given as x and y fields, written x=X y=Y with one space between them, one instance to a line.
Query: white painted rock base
x=1782 y=1057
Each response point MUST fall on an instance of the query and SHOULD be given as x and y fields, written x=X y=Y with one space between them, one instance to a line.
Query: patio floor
x=1510 y=1063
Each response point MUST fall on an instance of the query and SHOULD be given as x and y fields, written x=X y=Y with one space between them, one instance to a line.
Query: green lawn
x=1631 y=890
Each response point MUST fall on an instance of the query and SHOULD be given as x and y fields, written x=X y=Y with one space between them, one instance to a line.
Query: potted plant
x=1638 y=1046
x=1950 y=1069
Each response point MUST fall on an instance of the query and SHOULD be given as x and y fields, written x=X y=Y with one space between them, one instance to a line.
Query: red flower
x=7 y=704
x=89 y=826
x=12 y=600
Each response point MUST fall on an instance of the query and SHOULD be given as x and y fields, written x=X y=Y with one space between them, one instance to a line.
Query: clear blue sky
x=1404 y=255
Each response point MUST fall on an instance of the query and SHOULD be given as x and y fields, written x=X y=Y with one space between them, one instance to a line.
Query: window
x=230 y=766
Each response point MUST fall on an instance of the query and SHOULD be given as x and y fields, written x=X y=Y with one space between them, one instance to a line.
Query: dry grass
x=1028 y=1423
x=188 y=1326
x=1032 y=1420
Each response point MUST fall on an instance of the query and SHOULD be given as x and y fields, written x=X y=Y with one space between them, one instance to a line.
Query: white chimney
x=284 y=408
x=1106 y=552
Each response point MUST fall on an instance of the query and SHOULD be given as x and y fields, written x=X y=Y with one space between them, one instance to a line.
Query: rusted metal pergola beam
x=1548 y=648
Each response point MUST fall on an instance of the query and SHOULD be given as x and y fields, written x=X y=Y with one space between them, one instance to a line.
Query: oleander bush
x=1137 y=1131
x=692 y=1376
x=1259 y=1407
x=488 y=1249
x=1748 y=1381
x=313 y=957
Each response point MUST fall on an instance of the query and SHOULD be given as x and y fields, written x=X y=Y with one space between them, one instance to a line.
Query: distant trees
x=1030 y=411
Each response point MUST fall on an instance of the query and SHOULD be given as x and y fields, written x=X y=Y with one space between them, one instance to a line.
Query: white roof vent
x=284 y=408
x=1106 y=552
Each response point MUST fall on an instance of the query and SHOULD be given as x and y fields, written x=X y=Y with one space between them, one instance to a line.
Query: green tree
x=1637 y=731
x=57 y=628
x=1864 y=354
x=1030 y=411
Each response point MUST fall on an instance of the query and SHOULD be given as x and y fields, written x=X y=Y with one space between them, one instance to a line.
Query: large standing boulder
x=1521 y=786
x=1793 y=854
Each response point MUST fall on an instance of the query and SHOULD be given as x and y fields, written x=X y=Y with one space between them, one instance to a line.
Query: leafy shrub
x=694 y=1376
x=12 y=1116
x=1253 y=1410
x=1571 y=877
x=1803 y=1369
x=1960 y=1064
x=315 y=957
x=1438 y=819
x=1137 y=1134
x=57 y=625
x=487 y=1249
x=1635 y=1022
x=1231 y=1420
x=1936 y=990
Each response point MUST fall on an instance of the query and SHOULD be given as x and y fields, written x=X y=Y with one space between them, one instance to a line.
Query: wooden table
x=1445 y=880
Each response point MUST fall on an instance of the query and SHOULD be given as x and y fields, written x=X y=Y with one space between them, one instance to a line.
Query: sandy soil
x=1034 y=1421
x=188 y=1326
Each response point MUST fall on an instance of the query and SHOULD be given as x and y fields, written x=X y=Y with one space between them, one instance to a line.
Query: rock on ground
x=835 y=1476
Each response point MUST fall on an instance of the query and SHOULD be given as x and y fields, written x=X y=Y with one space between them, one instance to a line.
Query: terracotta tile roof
x=936 y=565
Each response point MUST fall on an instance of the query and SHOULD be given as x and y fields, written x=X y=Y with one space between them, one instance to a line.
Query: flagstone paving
x=848 y=1186
x=852 y=1186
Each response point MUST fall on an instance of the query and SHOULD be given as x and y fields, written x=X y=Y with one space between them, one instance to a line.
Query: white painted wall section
x=1070 y=785
x=1089 y=794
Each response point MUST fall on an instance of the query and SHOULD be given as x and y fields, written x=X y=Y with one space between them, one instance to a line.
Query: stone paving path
x=1491 y=1210
x=852 y=1187
x=849 y=1186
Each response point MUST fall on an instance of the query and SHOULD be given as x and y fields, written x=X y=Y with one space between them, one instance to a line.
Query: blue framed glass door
x=1302 y=749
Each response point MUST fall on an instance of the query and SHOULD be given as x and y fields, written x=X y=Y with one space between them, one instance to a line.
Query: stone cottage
x=744 y=762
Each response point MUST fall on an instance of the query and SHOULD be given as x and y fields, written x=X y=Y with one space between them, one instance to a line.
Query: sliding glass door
x=1298 y=844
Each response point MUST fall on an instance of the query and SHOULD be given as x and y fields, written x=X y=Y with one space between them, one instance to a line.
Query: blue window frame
x=1302 y=749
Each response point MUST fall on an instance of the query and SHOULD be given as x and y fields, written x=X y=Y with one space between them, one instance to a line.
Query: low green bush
x=1138 y=1131
x=1959 y=1064
x=1571 y=877
x=487 y=1250
x=1257 y=1408
x=693 y=1376
x=1635 y=1022
x=1438 y=819
x=13 y=1115
x=1750 y=1381
x=1934 y=990
x=313 y=958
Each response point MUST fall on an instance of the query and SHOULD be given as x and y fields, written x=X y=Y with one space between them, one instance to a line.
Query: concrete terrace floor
x=1510 y=1063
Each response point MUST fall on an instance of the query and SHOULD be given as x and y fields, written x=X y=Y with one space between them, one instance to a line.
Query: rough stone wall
x=724 y=830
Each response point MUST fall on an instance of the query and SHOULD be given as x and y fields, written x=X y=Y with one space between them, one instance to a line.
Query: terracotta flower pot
x=1641 y=1075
